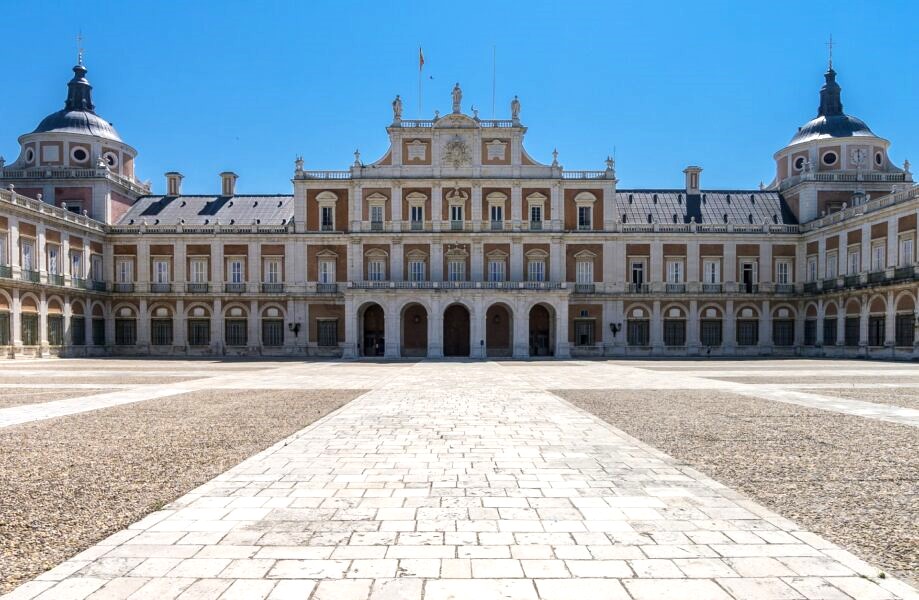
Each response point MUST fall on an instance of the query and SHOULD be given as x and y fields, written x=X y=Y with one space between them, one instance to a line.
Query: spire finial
x=829 y=47
x=80 y=48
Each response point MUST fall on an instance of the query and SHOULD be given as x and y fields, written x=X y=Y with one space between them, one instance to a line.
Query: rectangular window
x=878 y=258
x=711 y=270
x=416 y=270
x=417 y=214
x=29 y=326
x=810 y=332
x=77 y=331
x=832 y=262
x=584 y=271
x=198 y=270
x=272 y=333
x=98 y=332
x=125 y=332
x=783 y=332
x=4 y=260
x=812 y=268
x=674 y=332
x=536 y=270
x=236 y=332
x=199 y=332
x=55 y=330
x=710 y=330
x=829 y=332
x=638 y=273
x=124 y=271
x=376 y=214
x=674 y=271
x=584 y=332
x=456 y=212
x=456 y=270
x=160 y=271
x=161 y=332
x=535 y=213
x=376 y=270
x=584 y=217
x=854 y=263
x=905 y=333
x=54 y=266
x=327 y=216
x=96 y=266
x=327 y=332
x=76 y=265
x=852 y=331
x=496 y=270
x=638 y=332
x=28 y=255
x=876 y=331
x=326 y=271
x=747 y=332
x=783 y=272
x=271 y=273
x=906 y=252
x=236 y=270
x=496 y=212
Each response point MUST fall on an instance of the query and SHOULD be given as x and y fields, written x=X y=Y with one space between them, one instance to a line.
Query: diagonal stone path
x=462 y=481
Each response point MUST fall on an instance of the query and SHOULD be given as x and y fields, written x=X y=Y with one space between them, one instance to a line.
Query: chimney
x=228 y=183
x=693 y=186
x=174 y=183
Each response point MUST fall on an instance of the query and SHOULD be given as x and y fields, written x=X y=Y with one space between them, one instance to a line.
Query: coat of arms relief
x=456 y=152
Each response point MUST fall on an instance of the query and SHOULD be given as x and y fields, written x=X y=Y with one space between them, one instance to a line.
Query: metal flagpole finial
x=829 y=46
x=80 y=48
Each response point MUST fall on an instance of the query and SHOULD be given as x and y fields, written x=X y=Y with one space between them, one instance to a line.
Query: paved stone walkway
x=457 y=482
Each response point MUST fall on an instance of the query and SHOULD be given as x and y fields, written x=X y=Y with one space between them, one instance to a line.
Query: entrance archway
x=456 y=330
x=498 y=331
x=541 y=331
x=414 y=330
x=373 y=326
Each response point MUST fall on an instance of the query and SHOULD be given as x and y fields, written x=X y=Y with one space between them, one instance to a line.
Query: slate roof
x=711 y=206
x=268 y=210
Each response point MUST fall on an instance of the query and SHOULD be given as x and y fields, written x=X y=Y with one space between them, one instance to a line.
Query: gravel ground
x=851 y=479
x=905 y=397
x=71 y=481
x=160 y=379
x=20 y=396
x=792 y=380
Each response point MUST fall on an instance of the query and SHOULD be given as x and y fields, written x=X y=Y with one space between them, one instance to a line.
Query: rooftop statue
x=397 y=109
x=457 y=98
x=515 y=109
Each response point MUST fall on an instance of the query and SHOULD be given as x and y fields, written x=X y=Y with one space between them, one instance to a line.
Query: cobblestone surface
x=458 y=481
x=19 y=396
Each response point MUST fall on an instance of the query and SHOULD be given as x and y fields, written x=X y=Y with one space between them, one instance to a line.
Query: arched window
x=674 y=327
x=236 y=327
x=710 y=327
x=638 y=327
x=199 y=326
x=272 y=327
x=125 y=326
x=161 y=326
x=747 y=327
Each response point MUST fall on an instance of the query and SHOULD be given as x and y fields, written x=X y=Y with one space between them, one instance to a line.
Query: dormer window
x=79 y=155
x=799 y=163
x=327 y=201
x=878 y=158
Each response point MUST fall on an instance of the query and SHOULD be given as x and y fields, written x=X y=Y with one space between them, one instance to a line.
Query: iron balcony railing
x=160 y=288
x=457 y=225
x=123 y=288
x=417 y=225
x=853 y=281
x=326 y=288
x=98 y=286
x=272 y=288
x=900 y=273
x=535 y=225
x=748 y=288
x=584 y=227
x=810 y=287
x=234 y=288
x=81 y=283
x=497 y=225
x=675 y=288
x=585 y=288
x=712 y=288
x=6 y=271
x=829 y=284
x=32 y=276
x=637 y=288
x=326 y=227
x=376 y=226
x=784 y=288
x=54 y=279
x=197 y=288
x=877 y=277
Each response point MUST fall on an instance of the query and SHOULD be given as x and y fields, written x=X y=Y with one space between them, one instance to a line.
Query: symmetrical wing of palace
x=457 y=242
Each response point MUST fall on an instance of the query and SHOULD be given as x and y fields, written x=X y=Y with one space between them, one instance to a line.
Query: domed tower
x=834 y=160
x=76 y=159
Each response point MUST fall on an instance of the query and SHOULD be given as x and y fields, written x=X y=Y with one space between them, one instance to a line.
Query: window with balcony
x=327 y=218
x=535 y=216
x=76 y=265
x=124 y=271
x=711 y=271
x=638 y=272
x=416 y=270
x=4 y=259
x=326 y=271
x=812 y=268
x=456 y=270
x=854 y=262
x=54 y=259
x=783 y=272
x=584 y=271
x=878 y=257
x=376 y=270
x=160 y=271
x=496 y=215
x=456 y=216
x=236 y=271
x=907 y=256
x=96 y=267
x=536 y=270
x=496 y=270
x=416 y=214
x=198 y=273
x=271 y=271
x=376 y=217
x=675 y=271
x=832 y=262
x=585 y=217
x=28 y=255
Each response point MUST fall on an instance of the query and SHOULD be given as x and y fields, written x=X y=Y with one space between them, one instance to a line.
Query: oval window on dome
x=79 y=155
x=799 y=163
x=30 y=155
x=878 y=158
x=111 y=159
x=830 y=158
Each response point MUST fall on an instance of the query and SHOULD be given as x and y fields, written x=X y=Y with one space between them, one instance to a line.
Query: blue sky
x=204 y=87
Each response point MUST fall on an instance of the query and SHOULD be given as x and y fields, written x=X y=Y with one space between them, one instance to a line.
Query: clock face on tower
x=858 y=157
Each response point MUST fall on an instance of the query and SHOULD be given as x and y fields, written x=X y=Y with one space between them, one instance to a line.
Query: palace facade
x=457 y=242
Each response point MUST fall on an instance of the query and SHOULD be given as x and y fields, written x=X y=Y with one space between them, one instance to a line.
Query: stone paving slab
x=463 y=480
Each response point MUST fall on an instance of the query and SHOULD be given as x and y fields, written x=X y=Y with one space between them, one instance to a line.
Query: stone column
x=863 y=326
x=562 y=345
x=842 y=255
x=890 y=321
x=357 y=207
x=15 y=250
x=65 y=258
x=618 y=262
x=41 y=254
x=821 y=259
x=516 y=206
x=68 y=334
x=893 y=224
x=521 y=331
x=765 y=328
x=866 y=248
x=692 y=327
x=555 y=207
x=516 y=258
x=43 y=324
x=729 y=266
x=656 y=276
x=179 y=267
x=477 y=329
x=356 y=261
x=396 y=260
x=437 y=260
x=179 y=327
x=818 y=334
x=253 y=267
x=436 y=331
x=692 y=262
x=349 y=350
x=765 y=262
x=143 y=265
x=477 y=265
x=143 y=326
x=729 y=328
x=217 y=266
x=16 y=320
x=608 y=276
x=254 y=337
x=217 y=337
x=437 y=202
x=657 y=324
x=391 y=331
x=396 y=205
x=556 y=259
x=841 y=326
x=476 y=207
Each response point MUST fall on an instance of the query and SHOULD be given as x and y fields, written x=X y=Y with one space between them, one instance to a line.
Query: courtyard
x=792 y=479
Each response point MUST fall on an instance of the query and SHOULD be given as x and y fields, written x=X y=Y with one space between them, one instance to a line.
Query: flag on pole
x=420 y=58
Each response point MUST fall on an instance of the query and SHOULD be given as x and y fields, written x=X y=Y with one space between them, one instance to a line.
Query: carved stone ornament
x=417 y=150
x=456 y=152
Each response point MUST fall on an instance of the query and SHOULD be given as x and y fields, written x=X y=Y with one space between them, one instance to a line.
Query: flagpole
x=494 y=77
x=420 y=79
